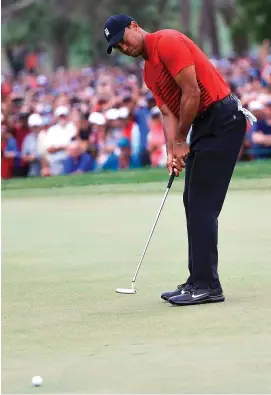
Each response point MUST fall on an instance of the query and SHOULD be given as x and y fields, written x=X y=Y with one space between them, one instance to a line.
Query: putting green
x=65 y=251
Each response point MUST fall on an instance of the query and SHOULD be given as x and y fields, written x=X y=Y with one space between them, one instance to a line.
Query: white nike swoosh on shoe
x=198 y=296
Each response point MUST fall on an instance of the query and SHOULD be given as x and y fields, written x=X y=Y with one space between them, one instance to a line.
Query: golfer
x=190 y=92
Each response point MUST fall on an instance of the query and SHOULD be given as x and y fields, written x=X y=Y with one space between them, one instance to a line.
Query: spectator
x=45 y=112
x=9 y=151
x=266 y=73
x=113 y=123
x=57 y=140
x=98 y=125
x=156 y=139
x=261 y=135
x=121 y=157
x=150 y=100
x=78 y=161
x=30 y=153
x=125 y=160
x=131 y=132
x=257 y=108
x=84 y=132
x=107 y=146
x=141 y=117
x=106 y=103
x=20 y=130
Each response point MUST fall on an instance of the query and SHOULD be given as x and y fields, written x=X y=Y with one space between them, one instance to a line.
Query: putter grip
x=171 y=179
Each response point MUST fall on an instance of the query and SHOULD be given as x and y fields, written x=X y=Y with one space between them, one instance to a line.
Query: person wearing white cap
x=29 y=151
x=57 y=139
x=114 y=126
x=255 y=105
x=107 y=144
x=98 y=124
x=112 y=114
x=61 y=111
x=42 y=80
x=97 y=118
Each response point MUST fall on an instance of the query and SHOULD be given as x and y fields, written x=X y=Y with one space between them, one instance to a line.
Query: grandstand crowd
x=105 y=118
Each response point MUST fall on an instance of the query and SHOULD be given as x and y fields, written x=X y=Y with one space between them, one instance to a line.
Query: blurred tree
x=239 y=31
x=75 y=29
x=186 y=17
x=248 y=20
x=53 y=22
x=148 y=13
x=255 y=17
x=202 y=33
x=207 y=27
x=210 y=8
x=9 y=8
x=63 y=29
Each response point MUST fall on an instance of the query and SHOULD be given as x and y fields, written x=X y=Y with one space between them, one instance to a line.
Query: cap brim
x=114 y=40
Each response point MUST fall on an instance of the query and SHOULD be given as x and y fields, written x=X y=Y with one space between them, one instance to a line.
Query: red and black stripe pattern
x=167 y=89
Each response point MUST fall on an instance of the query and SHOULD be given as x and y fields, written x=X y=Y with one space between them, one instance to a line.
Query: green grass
x=247 y=170
x=66 y=250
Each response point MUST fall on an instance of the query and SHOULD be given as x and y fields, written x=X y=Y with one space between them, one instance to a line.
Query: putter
x=132 y=290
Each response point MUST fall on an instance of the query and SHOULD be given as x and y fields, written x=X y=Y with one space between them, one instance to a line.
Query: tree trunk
x=240 y=41
x=157 y=23
x=202 y=27
x=186 y=17
x=61 y=30
x=60 y=44
x=60 y=54
x=210 y=8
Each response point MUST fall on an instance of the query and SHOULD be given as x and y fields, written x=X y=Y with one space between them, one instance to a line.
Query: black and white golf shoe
x=197 y=296
x=181 y=289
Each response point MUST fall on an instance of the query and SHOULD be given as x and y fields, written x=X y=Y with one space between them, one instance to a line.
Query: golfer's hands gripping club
x=176 y=159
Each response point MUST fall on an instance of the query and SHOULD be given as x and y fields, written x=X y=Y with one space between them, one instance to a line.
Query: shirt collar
x=150 y=45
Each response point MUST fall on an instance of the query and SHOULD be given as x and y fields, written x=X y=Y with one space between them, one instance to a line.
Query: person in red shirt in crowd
x=190 y=92
x=31 y=62
x=6 y=87
x=156 y=138
x=9 y=151
x=20 y=131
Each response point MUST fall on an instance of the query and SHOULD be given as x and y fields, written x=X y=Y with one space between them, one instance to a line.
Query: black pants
x=216 y=140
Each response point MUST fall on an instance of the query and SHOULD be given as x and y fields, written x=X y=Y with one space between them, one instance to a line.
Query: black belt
x=228 y=99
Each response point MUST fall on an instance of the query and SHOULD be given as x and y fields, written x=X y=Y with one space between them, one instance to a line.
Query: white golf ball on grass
x=37 y=381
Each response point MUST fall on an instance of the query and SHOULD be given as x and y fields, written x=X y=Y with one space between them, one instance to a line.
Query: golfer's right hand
x=173 y=162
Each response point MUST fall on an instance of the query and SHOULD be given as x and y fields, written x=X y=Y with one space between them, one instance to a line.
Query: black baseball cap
x=114 y=29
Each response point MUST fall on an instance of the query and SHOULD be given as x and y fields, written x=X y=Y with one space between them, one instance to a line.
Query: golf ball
x=37 y=381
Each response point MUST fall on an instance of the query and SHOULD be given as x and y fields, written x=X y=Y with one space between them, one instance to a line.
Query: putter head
x=126 y=291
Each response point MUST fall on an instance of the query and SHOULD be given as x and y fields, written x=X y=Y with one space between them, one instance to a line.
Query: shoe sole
x=165 y=298
x=211 y=299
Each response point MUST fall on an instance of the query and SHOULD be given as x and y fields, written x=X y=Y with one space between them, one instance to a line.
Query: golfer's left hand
x=173 y=165
x=180 y=152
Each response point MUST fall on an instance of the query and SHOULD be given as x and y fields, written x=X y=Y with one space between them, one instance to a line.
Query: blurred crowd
x=105 y=118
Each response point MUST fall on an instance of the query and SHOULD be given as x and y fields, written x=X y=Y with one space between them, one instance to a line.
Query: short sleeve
x=174 y=53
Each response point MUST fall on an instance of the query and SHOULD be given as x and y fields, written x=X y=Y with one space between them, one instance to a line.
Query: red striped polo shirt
x=170 y=51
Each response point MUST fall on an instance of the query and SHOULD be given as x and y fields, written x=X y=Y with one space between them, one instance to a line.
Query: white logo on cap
x=106 y=32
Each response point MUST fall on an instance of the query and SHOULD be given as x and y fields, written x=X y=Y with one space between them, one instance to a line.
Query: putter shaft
x=152 y=230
